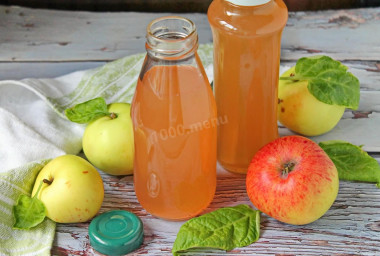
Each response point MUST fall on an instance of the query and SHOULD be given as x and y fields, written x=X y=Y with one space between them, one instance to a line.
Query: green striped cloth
x=33 y=128
x=36 y=241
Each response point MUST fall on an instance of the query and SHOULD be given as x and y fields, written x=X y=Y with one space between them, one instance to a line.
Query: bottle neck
x=171 y=38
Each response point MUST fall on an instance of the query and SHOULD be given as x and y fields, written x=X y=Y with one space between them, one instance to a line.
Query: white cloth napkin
x=30 y=129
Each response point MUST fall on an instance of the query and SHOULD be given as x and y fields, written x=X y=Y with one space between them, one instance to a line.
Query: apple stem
x=47 y=181
x=287 y=167
x=38 y=190
x=113 y=115
x=294 y=78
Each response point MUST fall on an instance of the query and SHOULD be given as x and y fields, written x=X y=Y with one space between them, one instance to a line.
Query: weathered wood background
x=178 y=6
x=42 y=43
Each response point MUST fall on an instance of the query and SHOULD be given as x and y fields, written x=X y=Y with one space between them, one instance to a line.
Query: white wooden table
x=42 y=43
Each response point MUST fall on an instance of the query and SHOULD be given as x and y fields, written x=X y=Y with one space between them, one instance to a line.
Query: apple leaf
x=352 y=162
x=328 y=81
x=28 y=212
x=87 y=111
x=223 y=229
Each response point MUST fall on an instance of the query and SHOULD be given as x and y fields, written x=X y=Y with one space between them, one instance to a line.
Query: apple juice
x=247 y=37
x=173 y=113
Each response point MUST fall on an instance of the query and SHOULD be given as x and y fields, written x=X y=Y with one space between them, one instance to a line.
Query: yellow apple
x=301 y=112
x=73 y=189
x=108 y=141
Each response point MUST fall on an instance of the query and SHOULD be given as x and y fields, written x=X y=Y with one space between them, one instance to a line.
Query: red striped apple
x=292 y=180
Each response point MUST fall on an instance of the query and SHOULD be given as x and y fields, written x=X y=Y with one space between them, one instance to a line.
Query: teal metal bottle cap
x=116 y=232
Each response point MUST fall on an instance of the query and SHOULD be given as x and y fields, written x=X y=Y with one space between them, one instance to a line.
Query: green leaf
x=224 y=229
x=328 y=81
x=87 y=111
x=352 y=162
x=28 y=212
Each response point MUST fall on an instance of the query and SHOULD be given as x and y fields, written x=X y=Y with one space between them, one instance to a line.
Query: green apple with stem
x=72 y=189
x=108 y=141
x=313 y=95
x=301 y=112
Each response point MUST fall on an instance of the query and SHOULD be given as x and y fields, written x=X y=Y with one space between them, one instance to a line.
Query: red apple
x=292 y=180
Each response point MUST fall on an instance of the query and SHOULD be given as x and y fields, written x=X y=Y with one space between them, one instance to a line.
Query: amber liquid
x=174 y=113
x=246 y=66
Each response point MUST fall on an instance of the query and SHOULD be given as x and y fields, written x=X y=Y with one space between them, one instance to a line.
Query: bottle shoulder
x=248 y=20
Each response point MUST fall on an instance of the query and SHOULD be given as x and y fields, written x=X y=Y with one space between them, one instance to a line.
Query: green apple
x=108 y=141
x=301 y=112
x=72 y=191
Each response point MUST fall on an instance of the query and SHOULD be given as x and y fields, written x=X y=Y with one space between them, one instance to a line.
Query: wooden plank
x=343 y=35
x=21 y=70
x=42 y=35
x=351 y=226
x=369 y=101
x=46 y=35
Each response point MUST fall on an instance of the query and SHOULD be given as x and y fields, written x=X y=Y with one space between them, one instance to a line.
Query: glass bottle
x=174 y=118
x=247 y=38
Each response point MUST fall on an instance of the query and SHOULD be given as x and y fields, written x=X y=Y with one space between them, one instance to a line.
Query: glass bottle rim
x=171 y=37
x=152 y=33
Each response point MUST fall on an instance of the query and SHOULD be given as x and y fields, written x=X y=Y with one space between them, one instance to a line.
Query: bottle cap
x=248 y=2
x=116 y=232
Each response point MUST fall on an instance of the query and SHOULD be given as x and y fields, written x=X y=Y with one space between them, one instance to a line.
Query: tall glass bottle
x=247 y=38
x=174 y=118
